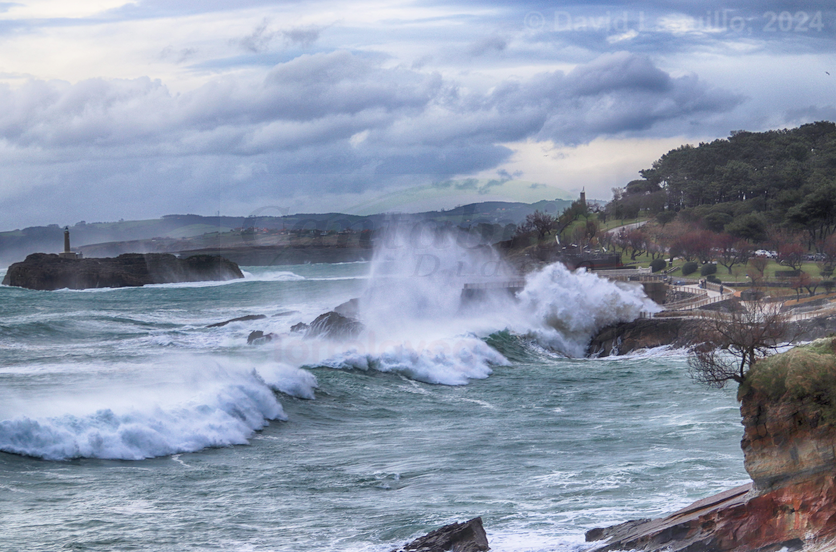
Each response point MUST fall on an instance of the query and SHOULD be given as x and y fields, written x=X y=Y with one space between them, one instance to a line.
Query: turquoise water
x=127 y=424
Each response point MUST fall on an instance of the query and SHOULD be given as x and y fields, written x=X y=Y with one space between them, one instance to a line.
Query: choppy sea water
x=127 y=424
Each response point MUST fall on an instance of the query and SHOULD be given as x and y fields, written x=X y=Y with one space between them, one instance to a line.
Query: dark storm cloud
x=414 y=121
x=302 y=36
x=488 y=44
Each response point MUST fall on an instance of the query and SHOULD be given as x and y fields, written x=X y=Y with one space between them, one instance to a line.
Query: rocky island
x=788 y=405
x=43 y=271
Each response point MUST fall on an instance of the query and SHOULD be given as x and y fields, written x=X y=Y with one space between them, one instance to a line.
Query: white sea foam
x=272 y=276
x=451 y=362
x=151 y=411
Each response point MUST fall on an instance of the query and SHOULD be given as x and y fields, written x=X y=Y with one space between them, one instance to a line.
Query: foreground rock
x=788 y=404
x=334 y=325
x=643 y=333
x=468 y=536
x=43 y=271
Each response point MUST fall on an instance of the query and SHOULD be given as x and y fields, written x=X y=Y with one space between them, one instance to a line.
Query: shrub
x=708 y=269
x=689 y=268
x=713 y=279
x=658 y=264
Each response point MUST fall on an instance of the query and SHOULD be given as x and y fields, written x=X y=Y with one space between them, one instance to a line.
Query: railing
x=691 y=304
x=719 y=288
x=519 y=283
x=631 y=275
x=829 y=309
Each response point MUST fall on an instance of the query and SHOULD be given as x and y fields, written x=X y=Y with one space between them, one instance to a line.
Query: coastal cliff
x=788 y=405
x=43 y=271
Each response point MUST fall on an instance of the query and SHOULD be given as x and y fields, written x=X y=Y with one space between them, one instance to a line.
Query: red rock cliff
x=788 y=404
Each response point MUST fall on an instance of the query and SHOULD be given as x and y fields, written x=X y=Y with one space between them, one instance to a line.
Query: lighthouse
x=67 y=254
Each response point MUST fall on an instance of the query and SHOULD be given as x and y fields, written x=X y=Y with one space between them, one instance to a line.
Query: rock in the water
x=643 y=333
x=43 y=271
x=258 y=337
x=350 y=308
x=468 y=536
x=334 y=325
x=239 y=319
x=301 y=327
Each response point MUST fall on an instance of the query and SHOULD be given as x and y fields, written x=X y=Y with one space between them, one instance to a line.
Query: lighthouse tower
x=67 y=254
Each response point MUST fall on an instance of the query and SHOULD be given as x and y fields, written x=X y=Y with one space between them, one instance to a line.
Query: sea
x=128 y=423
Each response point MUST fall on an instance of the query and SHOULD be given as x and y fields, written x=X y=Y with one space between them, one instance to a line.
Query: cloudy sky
x=112 y=109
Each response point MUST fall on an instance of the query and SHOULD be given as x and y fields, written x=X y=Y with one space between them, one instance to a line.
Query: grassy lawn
x=738 y=273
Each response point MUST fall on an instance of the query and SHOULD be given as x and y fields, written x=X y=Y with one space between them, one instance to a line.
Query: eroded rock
x=788 y=404
x=643 y=333
x=468 y=536
x=334 y=325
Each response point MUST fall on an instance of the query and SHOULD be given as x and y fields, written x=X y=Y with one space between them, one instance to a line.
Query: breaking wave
x=153 y=414
x=419 y=323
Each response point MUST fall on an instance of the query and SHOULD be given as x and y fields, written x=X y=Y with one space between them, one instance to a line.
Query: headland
x=42 y=271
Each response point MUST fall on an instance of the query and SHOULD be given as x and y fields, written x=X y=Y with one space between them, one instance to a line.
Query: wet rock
x=643 y=333
x=43 y=271
x=239 y=319
x=334 y=325
x=468 y=536
x=285 y=313
x=350 y=308
x=258 y=337
x=301 y=327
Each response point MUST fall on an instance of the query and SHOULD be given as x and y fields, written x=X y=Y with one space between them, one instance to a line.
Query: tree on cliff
x=538 y=221
x=729 y=344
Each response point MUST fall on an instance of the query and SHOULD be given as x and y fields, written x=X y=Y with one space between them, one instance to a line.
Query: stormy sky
x=113 y=109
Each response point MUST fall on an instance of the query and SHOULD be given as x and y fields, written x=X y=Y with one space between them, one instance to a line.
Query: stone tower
x=67 y=254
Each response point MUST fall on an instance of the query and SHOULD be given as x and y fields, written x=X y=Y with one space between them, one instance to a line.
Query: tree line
x=746 y=185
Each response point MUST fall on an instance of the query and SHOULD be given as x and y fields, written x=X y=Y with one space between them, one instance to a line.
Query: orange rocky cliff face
x=788 y=404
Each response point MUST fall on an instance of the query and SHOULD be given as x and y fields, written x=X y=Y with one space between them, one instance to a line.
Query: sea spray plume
x=572 y=306
x=415 y=323
x=418 y=272
x=411 y=309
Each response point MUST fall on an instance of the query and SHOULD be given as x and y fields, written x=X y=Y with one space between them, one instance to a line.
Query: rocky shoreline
x=788 y=406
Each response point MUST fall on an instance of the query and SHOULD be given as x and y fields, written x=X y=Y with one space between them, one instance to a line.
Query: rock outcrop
x=643 y=333
x=258 y=337
x=788 y=404
x=43 y=271
x=239 y=319
x=334 y=325
x=468 y=536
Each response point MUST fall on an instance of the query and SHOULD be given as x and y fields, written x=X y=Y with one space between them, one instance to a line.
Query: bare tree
x=757 y=269
x=729 y=344
x=732 y=251
x=538 y=221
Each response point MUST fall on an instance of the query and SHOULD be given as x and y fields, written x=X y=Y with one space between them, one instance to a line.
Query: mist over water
x=439 y=410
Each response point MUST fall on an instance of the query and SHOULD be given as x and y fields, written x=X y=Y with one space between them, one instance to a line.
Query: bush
x=713 y=279
x=689 y=268
x=708 y=269
x=658 y=264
